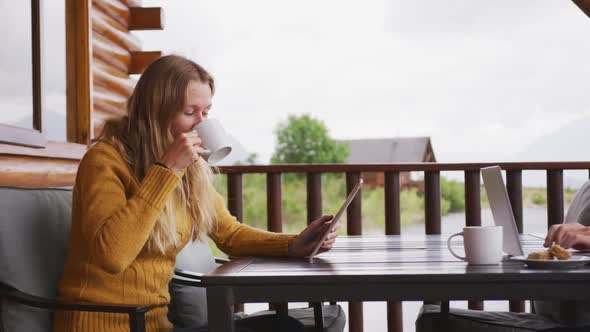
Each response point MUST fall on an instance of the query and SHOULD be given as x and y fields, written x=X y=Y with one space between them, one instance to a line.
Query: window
x=21 y=84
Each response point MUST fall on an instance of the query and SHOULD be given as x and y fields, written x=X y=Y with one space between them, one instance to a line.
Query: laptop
x=502 y=210
x=334 y=222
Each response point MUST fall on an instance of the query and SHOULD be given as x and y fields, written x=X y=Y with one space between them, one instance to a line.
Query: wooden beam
x=111 y=78
x=402 y=167
x=584 y=5
x=111 y=29
x=110 y=52
x=140 y=60
x=116 y=9
x=146 y=18
x=34 y=172
x=109 y=101
x=78 y=71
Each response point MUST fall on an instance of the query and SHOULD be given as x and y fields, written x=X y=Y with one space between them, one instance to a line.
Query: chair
x=431 y=319
x=34 y=230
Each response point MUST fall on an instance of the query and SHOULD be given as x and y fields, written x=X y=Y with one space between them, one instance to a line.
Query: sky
x=483 y=79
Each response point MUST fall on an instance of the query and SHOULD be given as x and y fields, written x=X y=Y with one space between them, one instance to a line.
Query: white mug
x=483 y=244
x=214 y=140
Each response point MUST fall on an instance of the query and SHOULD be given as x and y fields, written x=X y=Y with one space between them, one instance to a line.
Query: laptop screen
x=502 y=209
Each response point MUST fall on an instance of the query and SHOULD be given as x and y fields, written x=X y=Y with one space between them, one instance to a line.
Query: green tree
x=453 y=196
x=305 y=140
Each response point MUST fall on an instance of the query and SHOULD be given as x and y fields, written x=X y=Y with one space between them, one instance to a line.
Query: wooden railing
x=432 y=197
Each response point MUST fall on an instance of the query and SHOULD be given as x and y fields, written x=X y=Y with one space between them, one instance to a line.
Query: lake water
x=375 y=313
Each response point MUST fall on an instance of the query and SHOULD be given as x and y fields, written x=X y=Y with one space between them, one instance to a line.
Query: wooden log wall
x=101 y=53
x=116 y=54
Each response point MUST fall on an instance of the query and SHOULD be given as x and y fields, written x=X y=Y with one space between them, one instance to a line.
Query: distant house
x=390 y=150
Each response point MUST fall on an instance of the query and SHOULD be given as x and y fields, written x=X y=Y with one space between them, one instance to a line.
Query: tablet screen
x=334 y=222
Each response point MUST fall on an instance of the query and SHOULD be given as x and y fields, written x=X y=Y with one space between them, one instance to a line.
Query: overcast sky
x=483 y=79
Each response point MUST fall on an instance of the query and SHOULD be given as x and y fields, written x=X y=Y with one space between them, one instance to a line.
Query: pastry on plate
x=558 y=252
x=541 y=255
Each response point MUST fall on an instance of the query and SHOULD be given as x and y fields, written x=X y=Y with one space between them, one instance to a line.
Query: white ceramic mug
x=214 y=140
x=483 y=244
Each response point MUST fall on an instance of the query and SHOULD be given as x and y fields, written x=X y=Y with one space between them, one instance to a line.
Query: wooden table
x=384 y=268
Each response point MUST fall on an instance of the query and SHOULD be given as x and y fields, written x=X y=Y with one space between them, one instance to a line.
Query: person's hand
x=568 y=236
x=302 y=245
x=185 y=149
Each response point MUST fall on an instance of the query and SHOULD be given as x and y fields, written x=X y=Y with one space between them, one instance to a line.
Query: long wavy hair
x=144 y=134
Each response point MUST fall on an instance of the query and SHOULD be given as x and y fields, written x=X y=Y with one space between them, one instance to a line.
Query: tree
x=305 y=140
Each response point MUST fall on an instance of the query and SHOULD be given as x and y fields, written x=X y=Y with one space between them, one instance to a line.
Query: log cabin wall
x=101 y=53
x=116 y=53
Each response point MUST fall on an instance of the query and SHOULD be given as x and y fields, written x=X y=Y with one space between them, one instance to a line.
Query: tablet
x=334 y=221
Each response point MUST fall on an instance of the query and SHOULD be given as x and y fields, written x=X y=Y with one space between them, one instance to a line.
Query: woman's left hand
x=302 y=245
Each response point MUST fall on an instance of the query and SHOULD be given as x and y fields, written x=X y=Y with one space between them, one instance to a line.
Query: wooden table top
x=386 y=259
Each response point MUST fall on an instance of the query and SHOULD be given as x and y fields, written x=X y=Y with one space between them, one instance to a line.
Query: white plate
x=572 y=263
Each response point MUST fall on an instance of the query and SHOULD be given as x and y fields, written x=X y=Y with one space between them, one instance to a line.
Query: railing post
x=473 y=213
x=432 y=202
x=514 y=188
x=354 y=211
x=392 y=204
x=274 y=207
x=314 y=196
x=314 y=211
x=235 y=205
x=354 y=227
x=554 y=197
x=235 y=197
x=432 y=214
x=393 y=227
x=472 y=198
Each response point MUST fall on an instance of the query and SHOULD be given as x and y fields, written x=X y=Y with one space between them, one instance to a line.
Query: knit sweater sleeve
x=236 y=239
x=114 y=225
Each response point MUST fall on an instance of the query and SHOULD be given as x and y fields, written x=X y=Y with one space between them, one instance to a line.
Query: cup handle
x=451 y=249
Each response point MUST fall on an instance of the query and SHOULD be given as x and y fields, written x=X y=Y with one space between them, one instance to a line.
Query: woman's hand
x=574 y=236
x=185 y=149
x=302 y=245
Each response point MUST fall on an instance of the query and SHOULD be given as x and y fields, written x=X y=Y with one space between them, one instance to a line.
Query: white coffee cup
x=214 y=140
x=483 y=244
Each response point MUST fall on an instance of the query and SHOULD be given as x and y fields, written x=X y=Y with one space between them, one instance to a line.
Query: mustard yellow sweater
x=112 y=217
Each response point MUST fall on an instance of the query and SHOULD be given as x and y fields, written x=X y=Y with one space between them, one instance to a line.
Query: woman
x=142 y=192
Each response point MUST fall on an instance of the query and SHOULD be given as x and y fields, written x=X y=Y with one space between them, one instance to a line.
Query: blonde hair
x=143 y=135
